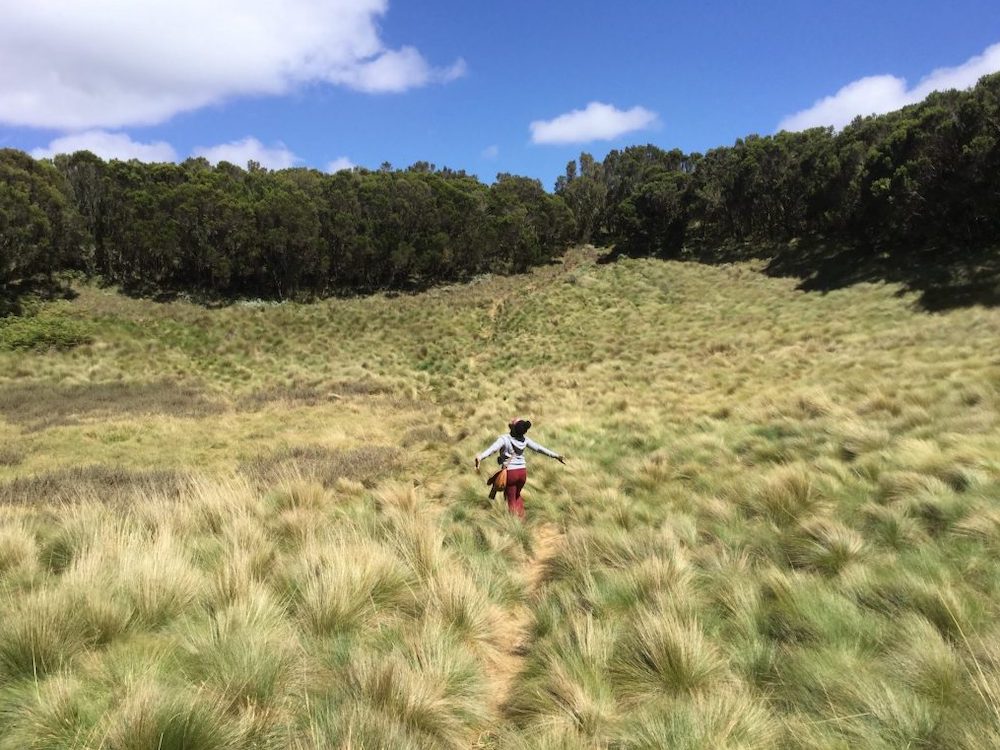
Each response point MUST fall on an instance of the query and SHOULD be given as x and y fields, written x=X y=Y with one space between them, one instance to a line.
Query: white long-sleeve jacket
x=514 y=448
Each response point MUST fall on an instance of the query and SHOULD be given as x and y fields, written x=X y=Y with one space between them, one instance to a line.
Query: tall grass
x=257 y=526
x=200 y=622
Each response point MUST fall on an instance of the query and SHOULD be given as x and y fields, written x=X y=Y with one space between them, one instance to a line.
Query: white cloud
x=108 y=146
x=395 y=71
x=339 y=164
x=78 y=64
x=249 y=149
x=885 y=93
x=596 y=122
x=491 y=152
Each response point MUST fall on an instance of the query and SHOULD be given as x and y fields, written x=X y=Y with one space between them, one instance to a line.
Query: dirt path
x=509 y=663
x=547 y=540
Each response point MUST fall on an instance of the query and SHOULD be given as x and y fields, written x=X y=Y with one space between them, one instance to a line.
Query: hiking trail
x=509 y=662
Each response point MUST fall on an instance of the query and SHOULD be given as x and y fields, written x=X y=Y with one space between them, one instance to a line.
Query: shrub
x=42 y=332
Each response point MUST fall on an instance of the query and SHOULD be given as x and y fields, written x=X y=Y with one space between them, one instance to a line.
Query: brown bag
x=500 y=481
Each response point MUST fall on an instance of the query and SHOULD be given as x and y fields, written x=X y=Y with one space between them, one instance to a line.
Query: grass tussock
x=201 y=623
x=777 y=527
x=825 y=546
x=342 y=584
x=41 y=633
x=785 y=493
x=160 y=716
x=248 y=654
x=662 y=654
x=426 y=688
x=722 y=720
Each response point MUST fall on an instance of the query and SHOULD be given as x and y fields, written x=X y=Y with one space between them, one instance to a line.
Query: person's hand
x=561 y=459
x=477 y=464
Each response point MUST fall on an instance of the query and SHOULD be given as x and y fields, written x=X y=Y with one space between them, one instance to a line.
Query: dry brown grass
x=114 y=485
x=39 y=406
x=11 y=456
x=324 y=465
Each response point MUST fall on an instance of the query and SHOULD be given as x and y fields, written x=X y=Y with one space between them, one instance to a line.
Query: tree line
x=225 y=231
x=915 y=190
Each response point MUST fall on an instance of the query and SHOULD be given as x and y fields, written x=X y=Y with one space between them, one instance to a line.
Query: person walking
x=511 y=448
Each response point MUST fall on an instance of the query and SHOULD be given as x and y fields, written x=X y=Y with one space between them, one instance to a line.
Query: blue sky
x=326 y=83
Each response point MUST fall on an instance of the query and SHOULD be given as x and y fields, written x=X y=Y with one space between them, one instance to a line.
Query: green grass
x=257 y=526
x=49 y=331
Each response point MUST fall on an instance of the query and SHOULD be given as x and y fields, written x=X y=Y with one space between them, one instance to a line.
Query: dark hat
x=520 y=425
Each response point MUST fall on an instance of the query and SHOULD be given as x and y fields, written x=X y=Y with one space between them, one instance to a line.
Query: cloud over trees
x=595 y=122
x=876 y=95
x=83 y=64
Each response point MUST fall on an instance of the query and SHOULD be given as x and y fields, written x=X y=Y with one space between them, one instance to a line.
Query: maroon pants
x=515 y=483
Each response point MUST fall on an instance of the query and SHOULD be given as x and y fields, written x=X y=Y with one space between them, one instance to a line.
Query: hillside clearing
x=258 y=526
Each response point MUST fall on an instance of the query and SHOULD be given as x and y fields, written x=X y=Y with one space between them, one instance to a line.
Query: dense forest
x=224 y=231
x=913 y=195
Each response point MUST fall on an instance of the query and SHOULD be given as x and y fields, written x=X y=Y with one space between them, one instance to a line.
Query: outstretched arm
x=542 y=449
x=497 y=445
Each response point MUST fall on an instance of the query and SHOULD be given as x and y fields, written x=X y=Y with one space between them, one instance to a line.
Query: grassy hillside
x=258 y=526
